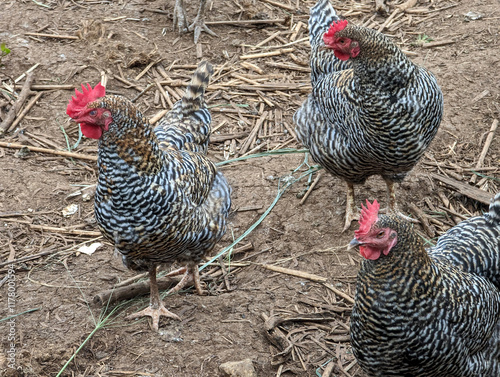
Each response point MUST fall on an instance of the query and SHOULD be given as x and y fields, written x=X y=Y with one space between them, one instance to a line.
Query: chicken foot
x=393 y=206
x=191 y=276
x=198 y=24
x=180 y=17
x=156 y=307
x=351 y=211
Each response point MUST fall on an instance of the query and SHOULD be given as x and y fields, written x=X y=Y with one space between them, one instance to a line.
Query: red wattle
x=341 y=55
x=92 y=132
x=367 y=253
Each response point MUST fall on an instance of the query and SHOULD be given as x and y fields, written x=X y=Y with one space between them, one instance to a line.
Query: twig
x=389 y=19
x=249 y=141
x=266 y=54
x=300 y=274
x=66 y=231
x=113 y=295
x=311 y=188
x=26 y=109
x=247 y=22
x=280 y=5
x=486 y=146
x=130 y=280
x=29 y=257
x=53 y=36
x=339 y=293
x=424 y=220
x=407 y=5
x=50 y=87
x=11 y=115
x=148 y=67
x=465 y=189
x=49 y=151
x=437 y=43
x=158 y=116
x=481 y=95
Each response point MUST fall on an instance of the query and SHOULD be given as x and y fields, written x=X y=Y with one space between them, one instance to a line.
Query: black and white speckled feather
x=474 y=244
x=432 y=313
x=159 y=199
x=373 y=114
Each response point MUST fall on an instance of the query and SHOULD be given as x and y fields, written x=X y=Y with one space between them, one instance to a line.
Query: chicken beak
x=353 y=244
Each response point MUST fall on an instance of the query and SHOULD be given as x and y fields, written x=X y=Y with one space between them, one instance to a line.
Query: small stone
x=242 y=368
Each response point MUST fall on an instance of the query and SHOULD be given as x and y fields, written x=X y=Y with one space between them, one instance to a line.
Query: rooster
x=159 y=199
x=427 y=313
x=372 y=111
x=198 y=25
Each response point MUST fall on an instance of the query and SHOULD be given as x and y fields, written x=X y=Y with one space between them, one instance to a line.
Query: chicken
x=372 y=111
x=198 y=24
x=159 y=199
x=427 y=313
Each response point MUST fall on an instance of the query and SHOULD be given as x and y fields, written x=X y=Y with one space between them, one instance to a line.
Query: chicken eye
x=93 y=113
x=380 y=234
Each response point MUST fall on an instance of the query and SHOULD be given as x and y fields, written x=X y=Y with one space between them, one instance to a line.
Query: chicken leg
x=156 y=308
x=391 y=200
x=191 y=276
x=351 y=211
x=198 y=24
x=180 y=20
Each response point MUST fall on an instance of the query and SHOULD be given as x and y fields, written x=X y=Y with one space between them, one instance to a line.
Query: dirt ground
x=307 y=321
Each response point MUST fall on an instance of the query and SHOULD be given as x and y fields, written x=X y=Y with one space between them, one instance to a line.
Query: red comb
x=369 y=215
x=80 y=100
x=329 y=36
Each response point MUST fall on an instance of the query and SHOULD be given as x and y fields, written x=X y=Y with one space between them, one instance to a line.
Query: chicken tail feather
x=193 y=99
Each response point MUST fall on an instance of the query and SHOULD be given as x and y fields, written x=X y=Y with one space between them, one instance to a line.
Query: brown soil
x=120 y=38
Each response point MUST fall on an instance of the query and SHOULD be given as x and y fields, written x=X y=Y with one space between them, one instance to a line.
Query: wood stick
x=158 y=116
x=464 y=189
x=270 y=38
x=246 y=22
x=339 y=293
x=29 y=257
x=131 y=280
x=89 y=233
x=299 y=274
x=11 y=115
x=407 y=5
x=53 y=36
x=304 y=88
x=23 y=75
x=280 y=5
x=252 y=67
x=481 y=95
x=113 y=295
x=49 y=151
x=148 y=67
x=424 y=220
x=27 y=109
x=250 y=139
x=280 y=51
x=486 y=146
x=389 y=19
x=437 y=43
x=311 y=188
x=223 y=137
x=49 y=87
x=164 y=94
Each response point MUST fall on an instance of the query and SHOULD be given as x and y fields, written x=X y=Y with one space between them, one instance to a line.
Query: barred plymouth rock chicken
x=159 y=199
x=372 y=111
x=428 y=313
